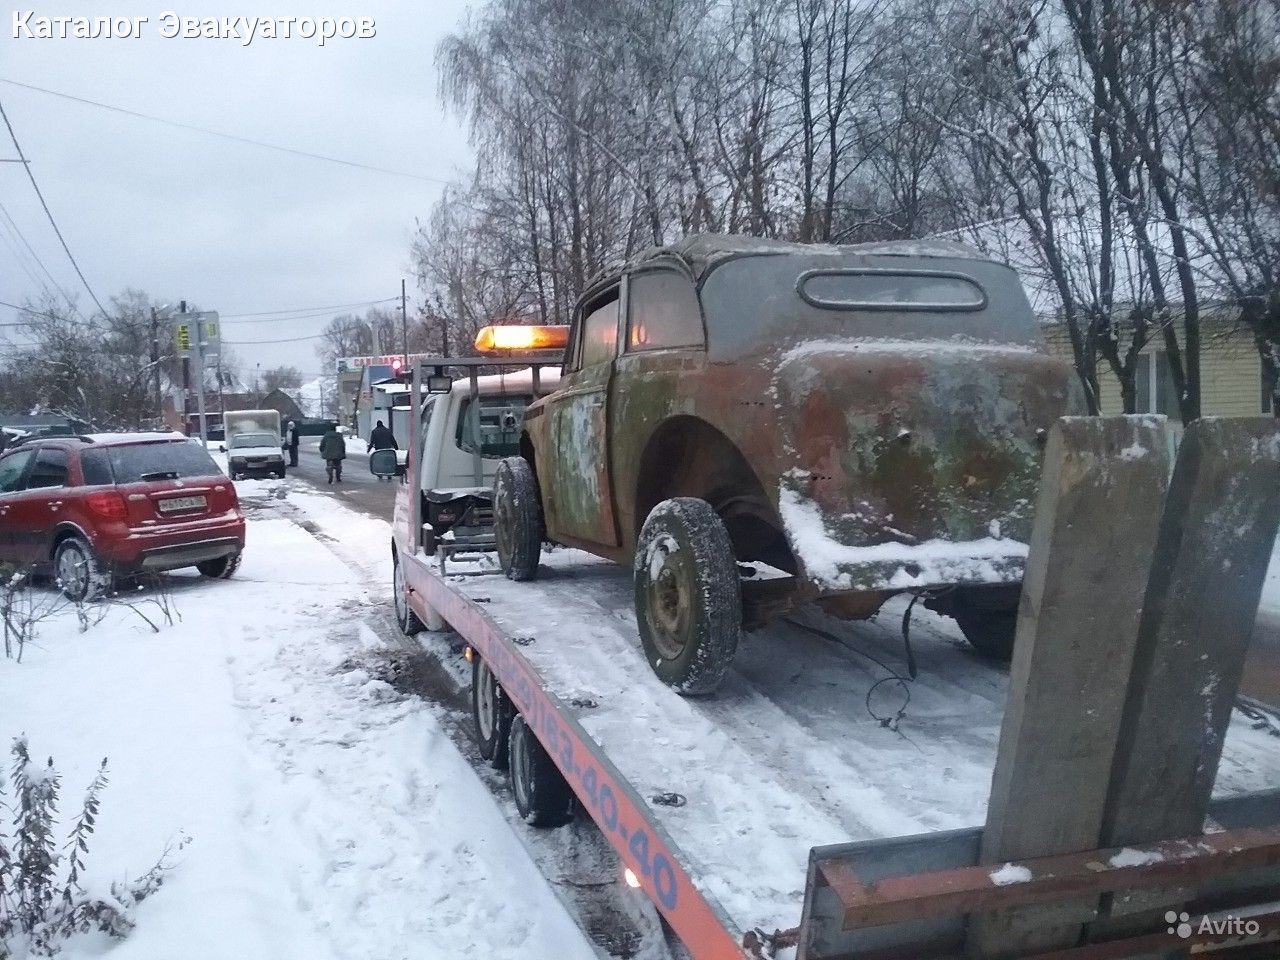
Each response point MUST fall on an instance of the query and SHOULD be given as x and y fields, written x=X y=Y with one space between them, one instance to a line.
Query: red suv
x=96 y=507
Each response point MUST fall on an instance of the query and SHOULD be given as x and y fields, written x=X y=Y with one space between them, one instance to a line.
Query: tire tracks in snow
x=580 y=866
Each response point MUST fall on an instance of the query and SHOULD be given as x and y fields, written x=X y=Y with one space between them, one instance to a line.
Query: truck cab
x=461 y=439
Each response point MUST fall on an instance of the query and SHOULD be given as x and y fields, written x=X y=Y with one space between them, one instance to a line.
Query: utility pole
x=186 y=381
x=155 y=361
x=404 y=325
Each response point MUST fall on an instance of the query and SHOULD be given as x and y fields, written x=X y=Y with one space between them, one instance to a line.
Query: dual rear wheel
x=542 y=795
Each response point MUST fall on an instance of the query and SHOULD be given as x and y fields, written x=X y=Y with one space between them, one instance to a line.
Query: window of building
x=1154 y=382
x=663 y=308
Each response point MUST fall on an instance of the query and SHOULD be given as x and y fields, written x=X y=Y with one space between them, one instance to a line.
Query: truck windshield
x=130 y=463
x=254 y=440
x=494 y=427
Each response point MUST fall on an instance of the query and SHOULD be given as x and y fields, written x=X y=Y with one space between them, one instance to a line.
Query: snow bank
x=330 y=817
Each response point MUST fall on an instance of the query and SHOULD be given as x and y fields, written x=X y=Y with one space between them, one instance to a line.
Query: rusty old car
x=754 y=424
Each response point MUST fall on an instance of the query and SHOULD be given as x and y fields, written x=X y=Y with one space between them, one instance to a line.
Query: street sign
x=187 y=326
x=183 y=334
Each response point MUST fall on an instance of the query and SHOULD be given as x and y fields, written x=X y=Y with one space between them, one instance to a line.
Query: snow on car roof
x=703 y=251
x=115 y=439
x=504 y=382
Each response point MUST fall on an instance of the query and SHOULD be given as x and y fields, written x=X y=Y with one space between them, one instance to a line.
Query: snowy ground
x=330 y=816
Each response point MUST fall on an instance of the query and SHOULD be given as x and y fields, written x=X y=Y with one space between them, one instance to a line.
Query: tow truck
x=831 y=802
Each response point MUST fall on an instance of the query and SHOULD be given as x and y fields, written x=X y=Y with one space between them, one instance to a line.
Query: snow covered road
x=329 y=816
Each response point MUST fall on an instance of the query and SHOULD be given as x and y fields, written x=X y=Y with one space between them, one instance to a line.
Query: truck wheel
x=405 y=617
x=492 y=713
x=542 y=794
x=990 y=630
x=517 y=524
x=222 y=568
x=687 y=596
x=80 y=573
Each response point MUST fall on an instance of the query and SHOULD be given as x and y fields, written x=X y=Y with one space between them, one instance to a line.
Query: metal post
x=198 y=343
x=477 y=462
x=155 y=361
x=404 y=324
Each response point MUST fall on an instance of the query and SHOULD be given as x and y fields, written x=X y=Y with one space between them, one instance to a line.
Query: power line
x=304 y=310
x=252 y=343
x=32 y=177
x=227 y=136
x=34 y=313
x=12 y=225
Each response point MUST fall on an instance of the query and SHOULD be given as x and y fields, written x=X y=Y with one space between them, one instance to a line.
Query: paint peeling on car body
x=896 y=394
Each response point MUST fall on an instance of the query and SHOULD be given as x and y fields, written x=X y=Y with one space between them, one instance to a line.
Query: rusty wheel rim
x=669 y=596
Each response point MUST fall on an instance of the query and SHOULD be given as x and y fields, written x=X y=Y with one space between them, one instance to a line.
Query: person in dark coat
x=382 y=439
x=333 y=448
x=293 y=443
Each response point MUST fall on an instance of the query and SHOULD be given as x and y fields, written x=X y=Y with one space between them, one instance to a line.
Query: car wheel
x=517 y=519
x=221 y=568
x=80 y=573
x=491 y=712
x=687 y=595
x=991 y=631
x=542 y=795
x=405 y=617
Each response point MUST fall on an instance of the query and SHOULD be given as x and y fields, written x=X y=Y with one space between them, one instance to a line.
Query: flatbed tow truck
x=825 y=806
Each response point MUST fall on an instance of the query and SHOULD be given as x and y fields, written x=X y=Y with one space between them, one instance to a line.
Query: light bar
x=496 y=338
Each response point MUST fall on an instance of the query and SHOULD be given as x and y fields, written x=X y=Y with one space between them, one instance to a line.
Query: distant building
x=279 y=400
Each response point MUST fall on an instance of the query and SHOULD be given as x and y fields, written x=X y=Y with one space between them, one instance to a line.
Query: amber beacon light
x=495 y=338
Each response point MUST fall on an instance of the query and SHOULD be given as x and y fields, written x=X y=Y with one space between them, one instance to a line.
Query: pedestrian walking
x=333 y=448
x=382 y=439
x=293 y=443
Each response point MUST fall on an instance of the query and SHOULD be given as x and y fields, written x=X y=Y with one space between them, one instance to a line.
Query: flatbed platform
x=736 y=789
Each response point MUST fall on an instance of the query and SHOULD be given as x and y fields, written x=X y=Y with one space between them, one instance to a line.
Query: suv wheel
x=687 y=595
x=517 y=523
x=223 y=568
x=80 y=573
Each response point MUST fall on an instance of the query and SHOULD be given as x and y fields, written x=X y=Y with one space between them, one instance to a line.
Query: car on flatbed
x=752 y=425
x=94 y=508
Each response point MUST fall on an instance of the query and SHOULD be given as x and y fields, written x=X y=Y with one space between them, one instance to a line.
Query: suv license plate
x=182 y=503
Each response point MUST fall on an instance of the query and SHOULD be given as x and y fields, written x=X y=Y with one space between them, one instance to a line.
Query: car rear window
x=132 y=462
x=496 y=430
x=883 y=289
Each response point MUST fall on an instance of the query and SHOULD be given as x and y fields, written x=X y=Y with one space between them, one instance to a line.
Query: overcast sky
x=232 y=227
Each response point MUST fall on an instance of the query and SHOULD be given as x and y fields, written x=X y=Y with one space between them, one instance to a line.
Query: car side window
x=13 y=469
x=95 y=467
x=599 y=343
x=49 y=470
x=662 y=312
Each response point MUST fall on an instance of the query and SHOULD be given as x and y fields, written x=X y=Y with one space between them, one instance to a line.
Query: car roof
x=699 y=253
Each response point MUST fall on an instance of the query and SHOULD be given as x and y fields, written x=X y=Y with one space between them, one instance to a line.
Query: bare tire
x=990 y=629
x=406 y=619
x=222 y=568
x=517 y=519
x=687 y=595
x=81 y=575
x=491 y=712
x=542 y=794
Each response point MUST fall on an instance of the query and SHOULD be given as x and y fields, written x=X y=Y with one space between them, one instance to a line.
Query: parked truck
x=253 y=444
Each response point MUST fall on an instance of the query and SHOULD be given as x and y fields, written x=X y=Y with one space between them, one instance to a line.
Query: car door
x=582 y=501
x=36 y=509
x=13 y=476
